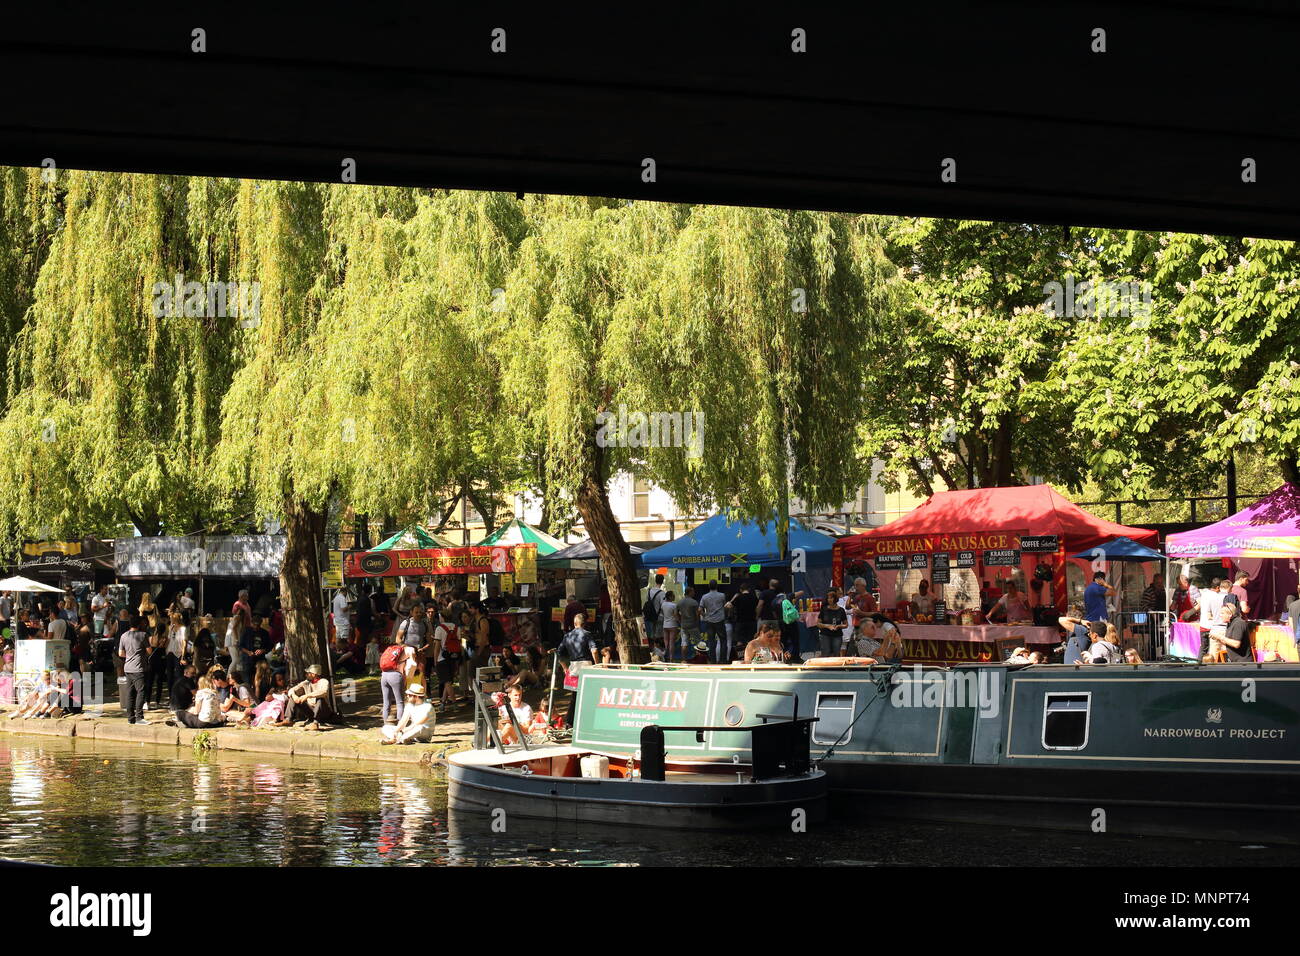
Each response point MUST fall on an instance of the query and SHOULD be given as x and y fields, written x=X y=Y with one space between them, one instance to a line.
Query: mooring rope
x=882 y=683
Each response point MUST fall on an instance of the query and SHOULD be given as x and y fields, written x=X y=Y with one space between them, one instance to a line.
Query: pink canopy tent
x=1263 y=540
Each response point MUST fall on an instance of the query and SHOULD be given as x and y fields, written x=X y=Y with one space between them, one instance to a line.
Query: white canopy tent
x=19 y=583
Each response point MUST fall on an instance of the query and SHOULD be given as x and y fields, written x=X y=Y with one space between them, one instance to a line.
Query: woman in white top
x=671 y=625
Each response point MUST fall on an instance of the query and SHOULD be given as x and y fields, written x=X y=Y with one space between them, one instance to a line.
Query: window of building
x=640 y=498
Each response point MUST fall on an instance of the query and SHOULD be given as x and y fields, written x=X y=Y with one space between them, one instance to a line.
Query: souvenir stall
x=1264 y=541
x=1000 y=553
x=31 y=657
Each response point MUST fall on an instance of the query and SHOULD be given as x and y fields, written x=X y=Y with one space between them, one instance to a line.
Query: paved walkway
x=355 y=738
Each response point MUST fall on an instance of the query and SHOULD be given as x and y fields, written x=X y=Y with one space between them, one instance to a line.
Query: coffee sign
x=1039 y=543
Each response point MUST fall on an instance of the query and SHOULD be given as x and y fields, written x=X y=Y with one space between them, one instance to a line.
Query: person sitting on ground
x=523 y=714
x=307 y=699
x=701 y=653
x=182 y=692
x=416 y=723
x=205 y=713
x=766 y=647
x=238 y=704
x=37 y=701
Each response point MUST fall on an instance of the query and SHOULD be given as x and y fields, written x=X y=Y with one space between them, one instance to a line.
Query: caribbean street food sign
x=490 y=559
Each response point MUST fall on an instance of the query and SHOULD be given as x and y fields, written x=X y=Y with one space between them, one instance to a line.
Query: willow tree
x=116 y=400
x=753 y=322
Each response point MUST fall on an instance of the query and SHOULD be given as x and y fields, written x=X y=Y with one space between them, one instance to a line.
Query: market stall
x=475 y=562
x=1264 y=541
x=1007 y=549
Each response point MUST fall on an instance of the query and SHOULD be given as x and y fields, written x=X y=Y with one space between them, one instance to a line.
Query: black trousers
x=155 y=679
x=186 y=719
x=133 y=705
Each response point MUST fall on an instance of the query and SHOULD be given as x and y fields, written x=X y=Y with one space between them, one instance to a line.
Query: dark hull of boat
x=700 y=806
x=1212 y=805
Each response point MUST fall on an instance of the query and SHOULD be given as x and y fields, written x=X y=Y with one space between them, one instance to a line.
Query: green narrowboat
x=1209 y=751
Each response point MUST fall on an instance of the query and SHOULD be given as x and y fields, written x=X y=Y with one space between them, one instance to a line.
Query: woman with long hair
x=178 y=648
x=261 y=680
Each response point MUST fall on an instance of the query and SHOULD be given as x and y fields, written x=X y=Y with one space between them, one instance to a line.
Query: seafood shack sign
x=213 y=556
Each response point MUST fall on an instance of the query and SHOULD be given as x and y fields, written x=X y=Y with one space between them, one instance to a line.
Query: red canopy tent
x=983 y=521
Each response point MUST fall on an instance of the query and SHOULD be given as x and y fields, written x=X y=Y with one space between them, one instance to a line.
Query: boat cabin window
x=1065 y=721
x=834 y=713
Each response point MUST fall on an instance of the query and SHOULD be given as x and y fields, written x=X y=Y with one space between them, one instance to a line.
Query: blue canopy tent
x=1121 y=549
x=717 y=543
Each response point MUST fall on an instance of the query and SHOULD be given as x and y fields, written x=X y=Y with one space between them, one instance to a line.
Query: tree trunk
x=1003 y=464
x=1291 y=469
x=305 y=641
x=598 y=518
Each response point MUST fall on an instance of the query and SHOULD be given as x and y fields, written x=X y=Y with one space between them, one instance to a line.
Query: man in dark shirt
x=1236 y=640
x=745 y=606
x=573 y=608
x=767 y=610
x=182 y=697
x=255 y=643
x=831 y=622
x=580 y=644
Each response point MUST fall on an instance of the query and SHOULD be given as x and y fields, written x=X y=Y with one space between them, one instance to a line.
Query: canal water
x=84 y=803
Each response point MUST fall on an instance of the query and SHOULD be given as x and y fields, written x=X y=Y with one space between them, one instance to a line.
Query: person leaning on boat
x=1079 y=635
x=766 y=647
x=879 y=640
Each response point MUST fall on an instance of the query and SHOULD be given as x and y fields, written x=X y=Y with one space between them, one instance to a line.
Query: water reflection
x=101 y=804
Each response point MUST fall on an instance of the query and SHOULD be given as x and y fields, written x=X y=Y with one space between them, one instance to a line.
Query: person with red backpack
x=390 y=680
x=453 y=652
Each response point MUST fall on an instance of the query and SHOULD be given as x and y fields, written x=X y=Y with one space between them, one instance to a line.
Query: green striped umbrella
x=413 y=538
x=516 y=532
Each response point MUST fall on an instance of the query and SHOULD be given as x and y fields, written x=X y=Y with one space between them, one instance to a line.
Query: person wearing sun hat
x=307 y=698
x=416 y=722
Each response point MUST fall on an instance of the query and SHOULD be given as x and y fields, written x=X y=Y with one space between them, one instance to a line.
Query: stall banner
x=492 y=559
x=929 y=543
x=216 y=556
x=946 y=652
x=525 y=559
